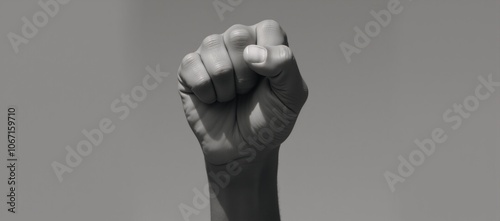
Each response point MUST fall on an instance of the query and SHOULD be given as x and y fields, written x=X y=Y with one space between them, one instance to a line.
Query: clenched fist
x=238 y=86
x=242 y=92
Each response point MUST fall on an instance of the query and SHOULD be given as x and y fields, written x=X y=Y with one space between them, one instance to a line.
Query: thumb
x=278 y=64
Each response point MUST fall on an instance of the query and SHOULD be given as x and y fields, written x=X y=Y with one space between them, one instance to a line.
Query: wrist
x=242 y=190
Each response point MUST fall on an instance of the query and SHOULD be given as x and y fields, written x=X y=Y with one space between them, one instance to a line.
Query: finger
x=236 y=38
x=193 y=78
x=270 y=33
x=278 y=64
x=218 y=65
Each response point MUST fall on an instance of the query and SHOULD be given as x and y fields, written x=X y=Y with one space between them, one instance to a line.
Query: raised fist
x=242 y=92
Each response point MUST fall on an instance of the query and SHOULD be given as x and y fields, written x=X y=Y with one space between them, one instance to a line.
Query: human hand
x=241 y=89
x=238 y=84
x=242 y=92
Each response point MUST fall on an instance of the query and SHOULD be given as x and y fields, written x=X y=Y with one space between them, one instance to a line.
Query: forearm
x=245 y=191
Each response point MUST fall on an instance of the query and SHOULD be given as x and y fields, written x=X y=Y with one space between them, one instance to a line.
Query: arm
x=251 y=192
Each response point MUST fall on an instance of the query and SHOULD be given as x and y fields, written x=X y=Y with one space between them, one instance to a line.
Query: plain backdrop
x=359 y=118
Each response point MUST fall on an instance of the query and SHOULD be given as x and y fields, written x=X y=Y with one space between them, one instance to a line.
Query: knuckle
x=238 y=36
x=270 y=25
x=202 y=81
x=212 y=41
x=285 y=53
x=221 y=70
x=189 y=60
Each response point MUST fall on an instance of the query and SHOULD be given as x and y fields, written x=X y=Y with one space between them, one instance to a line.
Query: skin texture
x=242 y=92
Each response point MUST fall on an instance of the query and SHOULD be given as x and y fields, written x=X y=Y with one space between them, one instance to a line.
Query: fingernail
x=255 y=54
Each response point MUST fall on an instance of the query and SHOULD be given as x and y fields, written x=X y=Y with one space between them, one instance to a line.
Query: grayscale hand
x=242 y=92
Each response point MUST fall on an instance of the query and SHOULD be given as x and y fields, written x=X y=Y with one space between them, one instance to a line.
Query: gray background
x=359 y=118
